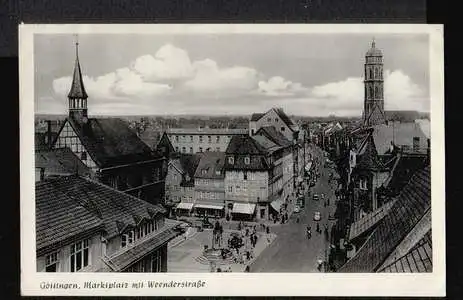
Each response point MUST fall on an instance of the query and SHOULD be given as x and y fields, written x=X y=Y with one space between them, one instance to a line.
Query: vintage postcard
x=232 y=160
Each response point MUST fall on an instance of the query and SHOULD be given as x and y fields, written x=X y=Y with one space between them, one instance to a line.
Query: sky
x=235 y=74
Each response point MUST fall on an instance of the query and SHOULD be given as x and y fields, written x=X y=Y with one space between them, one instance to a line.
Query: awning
x=185 y=205
x=276 y=204
x=244 y=208
x=209 y=205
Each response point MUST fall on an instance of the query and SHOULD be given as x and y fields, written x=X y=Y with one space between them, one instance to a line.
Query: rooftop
x=61 y=161
x=211 y=165
x=69 y=205
x=110 y=141
x=412 y=205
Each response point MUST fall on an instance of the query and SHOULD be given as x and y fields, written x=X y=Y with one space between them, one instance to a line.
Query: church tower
x=373 y=111
x=77 y=95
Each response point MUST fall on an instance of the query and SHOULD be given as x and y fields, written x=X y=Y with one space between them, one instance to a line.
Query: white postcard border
x=236 y=284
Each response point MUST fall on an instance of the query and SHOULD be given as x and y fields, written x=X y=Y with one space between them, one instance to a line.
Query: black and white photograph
x=256 y=150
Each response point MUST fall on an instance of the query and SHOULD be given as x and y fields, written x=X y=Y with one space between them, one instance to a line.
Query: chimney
x=49 y=134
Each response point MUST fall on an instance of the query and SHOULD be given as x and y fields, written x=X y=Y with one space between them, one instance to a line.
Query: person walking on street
x=318 y=228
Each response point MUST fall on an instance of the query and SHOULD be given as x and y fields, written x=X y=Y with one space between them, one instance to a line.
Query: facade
x=373 y=111
x=210 y=185
x=84 y=226
x=112 y=151
x=197 y=140
x=180 y=182
x=258 y=176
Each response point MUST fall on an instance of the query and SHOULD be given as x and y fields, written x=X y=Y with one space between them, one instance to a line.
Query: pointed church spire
x=77 y=87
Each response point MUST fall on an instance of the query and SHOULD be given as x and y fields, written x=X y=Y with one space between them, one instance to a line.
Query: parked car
x=297 y=209
x=317 y=216
x=315 y=197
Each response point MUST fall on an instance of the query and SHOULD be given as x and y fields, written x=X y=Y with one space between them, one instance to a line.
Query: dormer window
x=217 y=172
x=231 y=160
x=247 y=160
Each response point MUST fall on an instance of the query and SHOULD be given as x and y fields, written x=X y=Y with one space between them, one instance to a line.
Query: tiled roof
x=61 y=161
x=241 y=147
x=58 y=216
x=115 y=209
x=265 y=142
x=412 y=204
x=193 y=131
x=121 y=260
x=418 y=259
x=368 y=157
x=256 y=116
x=165 y=142
x=274 y=135
x=401 y=134
x=406 y=165
x=369 y=221
x=110 y=141
x=209 y=164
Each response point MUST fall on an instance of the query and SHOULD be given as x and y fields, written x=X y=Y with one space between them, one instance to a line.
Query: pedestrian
x=318 y=228
x=247 y=270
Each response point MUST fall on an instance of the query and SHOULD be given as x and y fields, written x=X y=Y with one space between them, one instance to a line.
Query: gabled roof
x=61 y=161
x=209 y=164
x=166 y=143
x=367 y=158
x=274 y=135
x=189 y=163
x=68 y=205
x=206 y=131
x=412 y=204
x=244 y=145
x=110 y=141
x=241 y=147
x=284 y=117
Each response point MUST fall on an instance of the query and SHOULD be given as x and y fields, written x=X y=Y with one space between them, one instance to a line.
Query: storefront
x=184 y=209
x=243 y=211
x=207 y=209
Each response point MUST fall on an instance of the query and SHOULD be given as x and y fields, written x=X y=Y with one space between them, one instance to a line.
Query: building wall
x=197 y=142
x=249 y=190
x=64 y=254
x=211 y=190
x=68 y=138
x=271 y=118
x=174 y=192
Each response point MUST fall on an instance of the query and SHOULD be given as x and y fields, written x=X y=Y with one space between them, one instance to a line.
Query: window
x=276 y=120
x=200 y=149
x=191 y=149
x=252 y=131
x=217 y=139
x=245 y=175
x=191 y=138
x=209 y=139
x=416 y=143
x=51 y=262
x=237 y=188
x=376 y=92
x=200 y=138
x=80 y=255
x=217 y=149
x=176 y=149
x=176 y=138
x=231 y=160
x=269 y=119
x=217 y=172
x=371 y=74
x=230 y=189
x=247 y=160
x=183 y=149
x=282 y=129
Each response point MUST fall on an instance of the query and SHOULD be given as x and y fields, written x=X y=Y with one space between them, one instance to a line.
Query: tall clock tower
x=373 y=111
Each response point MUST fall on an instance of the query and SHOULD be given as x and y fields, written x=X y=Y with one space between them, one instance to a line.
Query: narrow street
x=292 y=251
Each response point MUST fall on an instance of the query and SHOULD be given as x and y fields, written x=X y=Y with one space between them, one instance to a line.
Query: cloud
x=400 y=93
x=209 y=77
x=169 y=63
x=280 y=87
